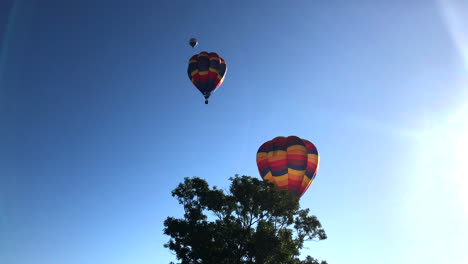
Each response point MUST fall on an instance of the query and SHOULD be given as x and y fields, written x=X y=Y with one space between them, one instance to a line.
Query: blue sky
x=99 y=122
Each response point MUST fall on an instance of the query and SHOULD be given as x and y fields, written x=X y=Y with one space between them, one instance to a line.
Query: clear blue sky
x=99 y=122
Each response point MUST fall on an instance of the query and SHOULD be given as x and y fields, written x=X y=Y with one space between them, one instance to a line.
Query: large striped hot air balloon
x=207 y=71
x=289 y=162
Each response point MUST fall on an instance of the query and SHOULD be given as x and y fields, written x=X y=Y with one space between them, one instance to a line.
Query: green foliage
x=253 y=223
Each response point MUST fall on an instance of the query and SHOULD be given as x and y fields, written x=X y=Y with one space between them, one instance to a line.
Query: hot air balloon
x=193 y=42
x=290 y=163
x=207 y=71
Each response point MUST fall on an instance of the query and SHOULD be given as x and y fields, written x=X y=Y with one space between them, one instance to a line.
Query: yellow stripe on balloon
x=262 y=156
x=269 y=177
x=282 y=184
x=313 y=157
x=277 y=153
x=293 y=172
x=214 y=70
x=305 y=181
x=297 y=147
x=281 y=178
x=203 y=73
x=193 y=73
x=297 y=152
x=296 y=178
x=308 y=183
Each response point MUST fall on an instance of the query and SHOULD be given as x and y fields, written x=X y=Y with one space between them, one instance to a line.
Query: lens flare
x=455 y=16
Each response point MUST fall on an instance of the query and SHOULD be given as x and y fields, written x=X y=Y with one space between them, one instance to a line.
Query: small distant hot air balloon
x=290 y=163
x=193 y=42
x=207 y=71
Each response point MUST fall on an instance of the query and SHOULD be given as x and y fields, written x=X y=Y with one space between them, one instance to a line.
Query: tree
x=252 y=223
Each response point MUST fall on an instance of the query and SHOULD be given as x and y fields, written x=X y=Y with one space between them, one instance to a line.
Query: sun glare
x=445 y=153
x=455 y=16
x=460 y=154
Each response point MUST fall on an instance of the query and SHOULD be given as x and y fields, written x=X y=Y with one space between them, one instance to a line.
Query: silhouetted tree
x=252 y=223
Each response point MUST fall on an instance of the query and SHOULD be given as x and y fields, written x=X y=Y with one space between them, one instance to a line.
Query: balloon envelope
x=193 y=42
x=289 y=162
x=207 y=71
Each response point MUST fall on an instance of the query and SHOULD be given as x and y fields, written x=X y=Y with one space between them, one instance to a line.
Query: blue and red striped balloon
x=207 y=71
x=290 y=163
